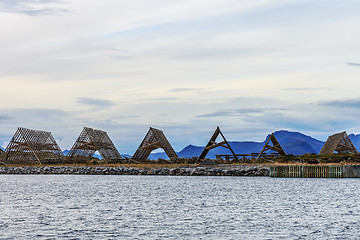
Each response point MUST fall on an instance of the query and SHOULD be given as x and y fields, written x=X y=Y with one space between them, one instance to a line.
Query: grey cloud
x=208 y=53
x=122 y=57
x=163 y=99
x=41 y=113
x=4 y=117
x=121 y=50
x=41 y=12
x=121 y=54
x=351 y=103
x=353 y=64
x=306 y=123
x=216 y=114
x=258 y=101
x=184 y=89
x=30 y=7
x=238 y=112
x=40 y=119
x=33 y=117
x=300 y=89
x=117 y=117
x=95 y=102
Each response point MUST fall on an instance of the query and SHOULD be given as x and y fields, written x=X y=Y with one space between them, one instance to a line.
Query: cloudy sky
x=250 y=67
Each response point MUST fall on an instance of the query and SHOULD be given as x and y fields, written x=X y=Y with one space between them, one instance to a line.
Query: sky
x=250 y=67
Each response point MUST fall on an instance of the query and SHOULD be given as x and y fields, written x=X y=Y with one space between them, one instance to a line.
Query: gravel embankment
x=178 y=171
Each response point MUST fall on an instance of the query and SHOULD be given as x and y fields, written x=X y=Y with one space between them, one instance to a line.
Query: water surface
x=177 y=207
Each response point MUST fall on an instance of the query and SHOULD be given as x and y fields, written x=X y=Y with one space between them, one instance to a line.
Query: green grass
x=335 y=158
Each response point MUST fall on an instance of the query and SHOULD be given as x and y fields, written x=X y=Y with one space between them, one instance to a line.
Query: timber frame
x=213 y=144
x=339 y=142
x=91 y=140
x=276 y=147
x=154 y=139
x=32 y=146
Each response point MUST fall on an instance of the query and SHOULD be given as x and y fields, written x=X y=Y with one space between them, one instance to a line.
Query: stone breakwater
x=178 y=171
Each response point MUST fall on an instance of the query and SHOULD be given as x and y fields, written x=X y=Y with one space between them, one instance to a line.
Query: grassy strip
x=332 y=159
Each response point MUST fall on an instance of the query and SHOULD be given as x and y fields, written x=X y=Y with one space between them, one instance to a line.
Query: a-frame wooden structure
x=274 y=146
x=154 y=139
x=91 y=140
x=213 y=144
x=339 y=142
x=29 y=146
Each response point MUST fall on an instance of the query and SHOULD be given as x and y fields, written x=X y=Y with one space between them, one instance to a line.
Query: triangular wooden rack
x=213 y=144
x=154 y=139
x=91 y=140
x=339 y=142
x=31 y=146
x=274 y=147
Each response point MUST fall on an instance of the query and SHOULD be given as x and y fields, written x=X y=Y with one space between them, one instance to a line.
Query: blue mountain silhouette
x=355 y=140
x=65 y=152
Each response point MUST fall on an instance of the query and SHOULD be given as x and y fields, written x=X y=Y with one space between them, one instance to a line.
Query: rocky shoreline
x=178 y=171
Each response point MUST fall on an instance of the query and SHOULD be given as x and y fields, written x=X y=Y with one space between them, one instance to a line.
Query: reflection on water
x=174 y=207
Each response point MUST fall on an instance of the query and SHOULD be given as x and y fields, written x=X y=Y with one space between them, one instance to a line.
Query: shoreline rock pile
x=178 y=171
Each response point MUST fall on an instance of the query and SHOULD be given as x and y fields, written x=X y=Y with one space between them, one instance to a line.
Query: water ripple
x=173 y=207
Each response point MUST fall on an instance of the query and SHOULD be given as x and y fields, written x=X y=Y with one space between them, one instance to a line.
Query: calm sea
x=174 y=207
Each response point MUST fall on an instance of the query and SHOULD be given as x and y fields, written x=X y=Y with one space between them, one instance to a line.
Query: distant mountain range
x=292 y=142
x=355 y=140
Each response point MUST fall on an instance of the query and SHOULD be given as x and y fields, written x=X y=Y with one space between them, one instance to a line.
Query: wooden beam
x=215 y=145
x=151 y=146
